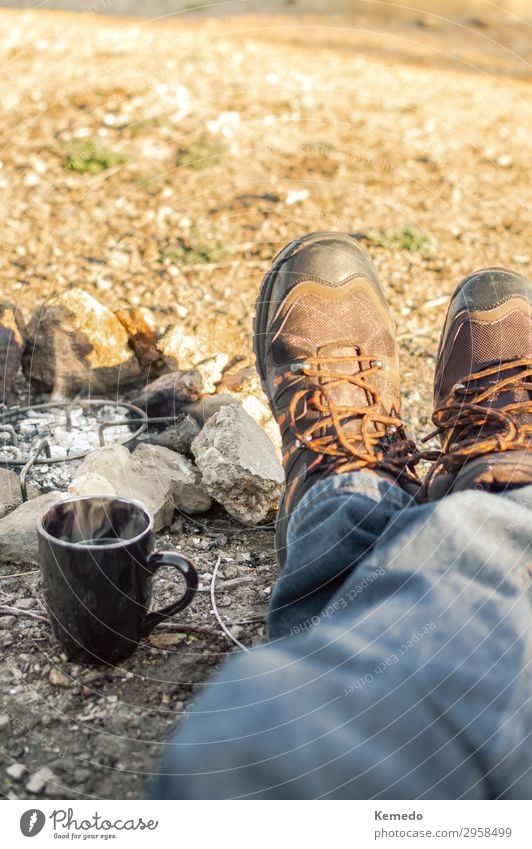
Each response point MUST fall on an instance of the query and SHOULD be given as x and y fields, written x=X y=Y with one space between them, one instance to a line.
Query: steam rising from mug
x=92 y=521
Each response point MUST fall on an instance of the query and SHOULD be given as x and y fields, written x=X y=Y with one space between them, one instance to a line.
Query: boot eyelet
x=377 y=364
x=297 y=368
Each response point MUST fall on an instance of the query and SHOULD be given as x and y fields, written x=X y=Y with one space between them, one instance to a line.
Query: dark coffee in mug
x=97 y=564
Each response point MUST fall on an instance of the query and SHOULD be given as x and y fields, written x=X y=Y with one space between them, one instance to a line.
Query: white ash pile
x=70 y=433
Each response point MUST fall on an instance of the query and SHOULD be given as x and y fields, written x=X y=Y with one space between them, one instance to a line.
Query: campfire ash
x=70 y=432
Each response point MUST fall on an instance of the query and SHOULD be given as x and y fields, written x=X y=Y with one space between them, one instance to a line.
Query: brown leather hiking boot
x=327 y=356
x=483 y=386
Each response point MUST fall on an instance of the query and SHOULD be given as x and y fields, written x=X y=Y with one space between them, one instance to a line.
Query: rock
x=25 y=603
x=114 y=471
x=16 y=771
x=176 y=528
x=164 y=641
x=75 y=343
x=58 y=678
x=167 y=395
x=246 y=389
x=141 y=328
x=208 y=349
x=10 y=496
x=4 y=720
x=239 y=466
x=39 y=780
x=188 y=492
x=12 y=341
x=6 y=622
x=18 y=530
x=238 y=380
x=261 y=413
x=208 y=405
x=254 y=406
x=81 y=775
x=92 y=483
x=180 y=436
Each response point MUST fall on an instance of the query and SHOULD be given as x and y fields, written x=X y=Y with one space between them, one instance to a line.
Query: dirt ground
x=164 y=164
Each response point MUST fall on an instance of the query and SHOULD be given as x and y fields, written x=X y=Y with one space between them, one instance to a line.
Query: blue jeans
x=398 y=665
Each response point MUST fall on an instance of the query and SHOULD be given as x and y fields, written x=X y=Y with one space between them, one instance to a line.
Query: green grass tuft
x=193 y=250
x=202 y=154
x=87 y=157
x=401 y=239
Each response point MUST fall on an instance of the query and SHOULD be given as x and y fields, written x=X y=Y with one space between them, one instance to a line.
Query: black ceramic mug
x=97 y=563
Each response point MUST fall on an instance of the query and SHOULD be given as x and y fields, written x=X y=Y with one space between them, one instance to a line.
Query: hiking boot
x=327 y=357
x=483 y=387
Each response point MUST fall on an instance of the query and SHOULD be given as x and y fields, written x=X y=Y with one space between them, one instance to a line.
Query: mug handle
x=169 y=558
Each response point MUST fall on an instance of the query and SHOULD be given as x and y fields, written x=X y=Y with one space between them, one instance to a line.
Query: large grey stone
x=246 y=389
x=75 y=343
x=253 y=403
x=238 y=464
x=189 y=494
x=18 y=530
x=114 y=471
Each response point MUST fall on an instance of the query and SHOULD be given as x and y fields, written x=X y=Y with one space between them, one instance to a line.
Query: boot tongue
x=345 y=393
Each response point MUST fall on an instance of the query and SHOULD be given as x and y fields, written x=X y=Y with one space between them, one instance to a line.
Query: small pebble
x=39 y=780
x=25 y=603
x=16 y=771
x=59 y=678
x=177 y=525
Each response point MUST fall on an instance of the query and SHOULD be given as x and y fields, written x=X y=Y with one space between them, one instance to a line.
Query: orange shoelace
x=378 y=442
x=469 y=429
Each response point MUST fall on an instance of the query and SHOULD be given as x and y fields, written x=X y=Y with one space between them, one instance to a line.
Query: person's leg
x=412 y=681
x=335 y=525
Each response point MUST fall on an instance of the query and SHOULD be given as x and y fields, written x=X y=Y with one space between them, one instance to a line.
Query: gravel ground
x=164 y=165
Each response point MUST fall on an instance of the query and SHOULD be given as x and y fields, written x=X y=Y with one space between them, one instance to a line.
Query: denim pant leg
x=413 y=682
x=335 y=525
